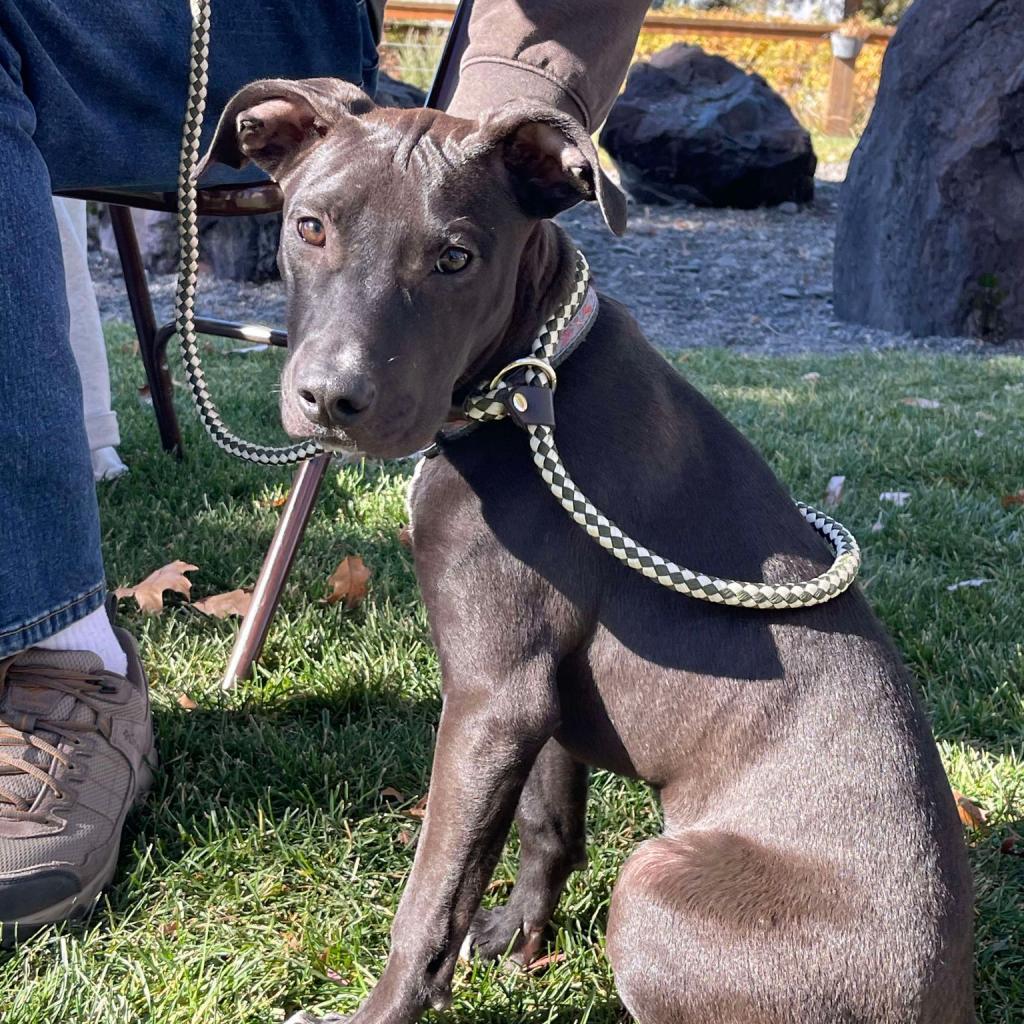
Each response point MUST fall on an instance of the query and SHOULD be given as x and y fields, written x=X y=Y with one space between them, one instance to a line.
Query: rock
x=241 y=248
x=788 y=207
x=157 y=233
x=393 y=93
x=930 y=238
x=693 y=126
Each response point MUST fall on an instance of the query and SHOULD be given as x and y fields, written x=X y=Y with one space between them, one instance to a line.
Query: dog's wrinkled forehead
x=408 y=156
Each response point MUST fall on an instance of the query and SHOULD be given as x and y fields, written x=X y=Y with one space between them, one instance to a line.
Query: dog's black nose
x=334 y=400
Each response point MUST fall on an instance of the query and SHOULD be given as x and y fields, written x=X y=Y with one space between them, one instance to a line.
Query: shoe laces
x=23 y=732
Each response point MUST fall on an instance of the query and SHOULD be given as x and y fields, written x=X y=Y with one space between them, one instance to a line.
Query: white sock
x=93 y=633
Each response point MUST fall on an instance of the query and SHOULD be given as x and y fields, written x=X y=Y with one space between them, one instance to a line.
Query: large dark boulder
x=930 y=237
x=693 y=126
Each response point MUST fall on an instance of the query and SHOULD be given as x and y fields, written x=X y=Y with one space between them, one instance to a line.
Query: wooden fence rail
x=839 y=115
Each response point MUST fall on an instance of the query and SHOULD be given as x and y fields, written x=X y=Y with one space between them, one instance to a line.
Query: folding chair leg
x=276 y=566
x=151 y=344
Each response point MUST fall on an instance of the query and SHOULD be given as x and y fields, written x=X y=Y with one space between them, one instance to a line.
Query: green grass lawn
x=263 y=873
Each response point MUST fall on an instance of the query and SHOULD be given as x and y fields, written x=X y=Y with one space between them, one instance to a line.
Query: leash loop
x=489 y=404
x=532 y=362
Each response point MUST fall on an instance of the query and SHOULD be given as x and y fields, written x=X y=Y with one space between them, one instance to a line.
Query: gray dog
x=811 y=868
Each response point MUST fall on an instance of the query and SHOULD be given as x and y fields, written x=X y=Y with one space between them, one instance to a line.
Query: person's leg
x=86 y=332
x=51 y=572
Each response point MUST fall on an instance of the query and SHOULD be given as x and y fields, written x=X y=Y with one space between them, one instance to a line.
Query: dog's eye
x=452 y=260
x=311 y=230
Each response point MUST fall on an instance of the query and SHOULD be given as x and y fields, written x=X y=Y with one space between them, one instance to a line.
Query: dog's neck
x=544 y=275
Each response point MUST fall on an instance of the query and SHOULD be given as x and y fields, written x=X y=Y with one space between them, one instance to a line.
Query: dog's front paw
x=500 y=931
x=305 y=1017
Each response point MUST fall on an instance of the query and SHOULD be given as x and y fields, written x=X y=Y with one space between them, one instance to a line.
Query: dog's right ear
x=276 y=121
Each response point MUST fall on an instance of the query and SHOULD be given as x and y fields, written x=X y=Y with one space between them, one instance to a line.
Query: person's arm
x=571 y=54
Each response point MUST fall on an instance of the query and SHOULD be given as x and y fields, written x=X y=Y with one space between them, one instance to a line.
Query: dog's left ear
x=275 y=122
x=550 y=159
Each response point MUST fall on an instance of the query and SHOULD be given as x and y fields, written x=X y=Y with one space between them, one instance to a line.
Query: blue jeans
x=92 y=93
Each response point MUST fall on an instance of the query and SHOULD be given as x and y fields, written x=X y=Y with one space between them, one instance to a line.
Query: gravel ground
x=751 y=280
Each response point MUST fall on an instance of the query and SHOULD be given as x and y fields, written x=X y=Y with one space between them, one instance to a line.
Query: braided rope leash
x=188 y=267
x=499 y=400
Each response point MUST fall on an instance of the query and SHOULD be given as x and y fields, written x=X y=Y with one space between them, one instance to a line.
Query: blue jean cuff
x=18 y=638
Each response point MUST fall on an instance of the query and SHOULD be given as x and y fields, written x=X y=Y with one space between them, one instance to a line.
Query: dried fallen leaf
x=292 y=941
x=898 y=498
x=168 y=929
x=1012 y=845
x=150 y=592
x=405 y=837
x=348 y=582
x=1009 y=500
x=834 y=491
x=420 y=810
x=405 y=536
x=220 y=606
x=961 y=584
x=276 y=501
x=390 y=793
x=812 y=378
x=970 y=813
x=544 y=962
x=185 y=701
x=923 y=403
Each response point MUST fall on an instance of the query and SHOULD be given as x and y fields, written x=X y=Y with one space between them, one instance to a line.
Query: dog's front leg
x=488 y=739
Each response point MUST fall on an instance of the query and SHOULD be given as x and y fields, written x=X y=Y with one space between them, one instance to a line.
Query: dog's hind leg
x=551 y=819
x=711 y=925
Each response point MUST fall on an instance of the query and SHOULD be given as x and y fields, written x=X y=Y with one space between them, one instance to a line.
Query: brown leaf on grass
x=348 y=582
x=1012 y=845
x=292 y=941
x=390 y=793
x=1009 y=500
x=405 y=837
x=274 y=501
x=168 y=929
x=420 y=810
x=185 y=701
x=220 y=606
x=922 y=403
x=542 y=963
x=970 y=813
x=334 y=976
x=834 y=491
x=405 y=537
x=149 y=594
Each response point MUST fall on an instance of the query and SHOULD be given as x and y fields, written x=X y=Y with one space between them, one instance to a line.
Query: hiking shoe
x=76 y=752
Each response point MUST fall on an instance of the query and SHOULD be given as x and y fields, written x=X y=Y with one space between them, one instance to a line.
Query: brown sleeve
x=572 y=54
